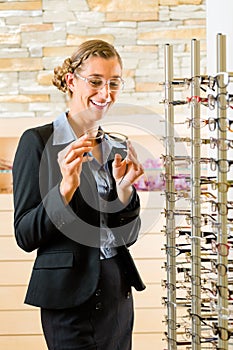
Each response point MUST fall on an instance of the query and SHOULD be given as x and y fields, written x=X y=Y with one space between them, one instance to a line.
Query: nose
x=105 y=91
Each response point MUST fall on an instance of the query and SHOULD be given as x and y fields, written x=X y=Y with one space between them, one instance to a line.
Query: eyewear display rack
x=216 y=326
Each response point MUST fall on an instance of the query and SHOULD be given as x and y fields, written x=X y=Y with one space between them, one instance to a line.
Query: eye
x=95 y=82
x=115 y=83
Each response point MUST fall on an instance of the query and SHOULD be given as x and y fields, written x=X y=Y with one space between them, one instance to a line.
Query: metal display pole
x=195 y=195
x=222 y=197
x=170 y=220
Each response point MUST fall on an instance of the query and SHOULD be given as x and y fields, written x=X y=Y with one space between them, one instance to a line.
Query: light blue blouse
x=63 y=134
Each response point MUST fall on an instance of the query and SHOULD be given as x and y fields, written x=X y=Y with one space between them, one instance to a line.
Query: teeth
x=100 y=104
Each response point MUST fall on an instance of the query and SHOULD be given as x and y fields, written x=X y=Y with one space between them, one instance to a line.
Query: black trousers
x=104 y=322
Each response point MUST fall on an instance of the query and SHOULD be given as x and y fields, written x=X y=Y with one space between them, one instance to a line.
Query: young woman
x=76 y=205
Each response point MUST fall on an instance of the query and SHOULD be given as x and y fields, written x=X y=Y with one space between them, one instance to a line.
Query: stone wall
x=37 y=35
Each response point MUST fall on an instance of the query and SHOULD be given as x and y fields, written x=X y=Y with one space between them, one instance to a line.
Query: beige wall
x=35 y=36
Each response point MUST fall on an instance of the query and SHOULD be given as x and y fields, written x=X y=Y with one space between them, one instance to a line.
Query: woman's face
x=85 y=97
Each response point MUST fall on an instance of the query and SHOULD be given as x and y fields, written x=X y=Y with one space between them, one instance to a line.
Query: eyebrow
x=101 y=76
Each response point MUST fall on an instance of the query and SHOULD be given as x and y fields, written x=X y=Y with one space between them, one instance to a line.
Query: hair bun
x=59 y=78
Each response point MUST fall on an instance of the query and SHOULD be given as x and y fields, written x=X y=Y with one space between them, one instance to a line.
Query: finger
x=132 y=149
x=81 y=142
x=117 y=160
x=87 y=158
x=132 y=159
x=131 y=154
x=70 y=168
x=77 y=152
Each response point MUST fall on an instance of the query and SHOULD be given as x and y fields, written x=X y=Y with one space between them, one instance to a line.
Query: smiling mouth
x=100 y=104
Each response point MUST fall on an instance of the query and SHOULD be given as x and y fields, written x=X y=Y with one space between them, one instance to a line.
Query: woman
x=75 y=203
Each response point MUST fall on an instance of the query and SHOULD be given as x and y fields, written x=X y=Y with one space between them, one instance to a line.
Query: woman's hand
x=70 y=160
x=126 y=172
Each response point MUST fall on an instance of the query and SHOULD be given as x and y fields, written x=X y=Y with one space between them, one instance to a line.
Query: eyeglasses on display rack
x=220 y=143
x=223 y=124
x=221 y=80
x=223 y=165
x=222 y=100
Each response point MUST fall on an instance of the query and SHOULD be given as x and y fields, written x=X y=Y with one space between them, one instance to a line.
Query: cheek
x=114 y=97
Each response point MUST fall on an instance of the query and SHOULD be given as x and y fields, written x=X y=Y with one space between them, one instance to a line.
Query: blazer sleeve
x=34 y=225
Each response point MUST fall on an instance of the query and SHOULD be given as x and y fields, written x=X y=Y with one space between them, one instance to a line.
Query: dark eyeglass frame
x=217 y=330
x=227 y=126
x=220 y=162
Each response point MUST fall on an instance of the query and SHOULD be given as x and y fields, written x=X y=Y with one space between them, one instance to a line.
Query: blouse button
x=98 y=292
x=98 y=306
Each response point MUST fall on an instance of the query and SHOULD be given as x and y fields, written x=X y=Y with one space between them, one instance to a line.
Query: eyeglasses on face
x=98 y=83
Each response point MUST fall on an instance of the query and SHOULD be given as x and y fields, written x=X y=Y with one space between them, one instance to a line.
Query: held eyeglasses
x=98 y=83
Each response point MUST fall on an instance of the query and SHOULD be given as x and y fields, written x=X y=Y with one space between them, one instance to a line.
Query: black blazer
x=66 y=270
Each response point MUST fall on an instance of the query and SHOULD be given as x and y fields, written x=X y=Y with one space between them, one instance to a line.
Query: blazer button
x=98 y=292
x=128 y=295
x=98 y=306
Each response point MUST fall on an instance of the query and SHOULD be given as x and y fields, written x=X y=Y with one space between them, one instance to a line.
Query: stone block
x=190 y=2
x=121 y=24
x=132 y=16
x=6 y=52
x=26 y=17
x=13 y=107
x=123 y=5
x=45 y=78
x=20 y=64
x=176 y=34
x=33 y=88
x=58 y=16
x=37 y=27
x=61 y=51
x=36 y=38
x=23 y=98
x=126 y=10
x=78 y=5
x=9 y=39
x=8 y=83
x=49 y=63
x=168 y=2
x=148 y=86
x=68 y=5
x=78 y=39
x=20 y=5
x=89 y=19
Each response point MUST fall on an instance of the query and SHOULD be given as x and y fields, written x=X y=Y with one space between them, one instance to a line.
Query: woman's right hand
x=70 y=161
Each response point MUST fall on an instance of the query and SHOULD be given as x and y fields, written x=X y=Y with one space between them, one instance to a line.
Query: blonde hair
x=90 y=48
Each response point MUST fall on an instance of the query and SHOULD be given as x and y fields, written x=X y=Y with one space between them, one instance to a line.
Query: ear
x=70 y=79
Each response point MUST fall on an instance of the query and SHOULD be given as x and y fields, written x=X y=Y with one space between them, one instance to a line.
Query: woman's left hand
x=128 y=170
